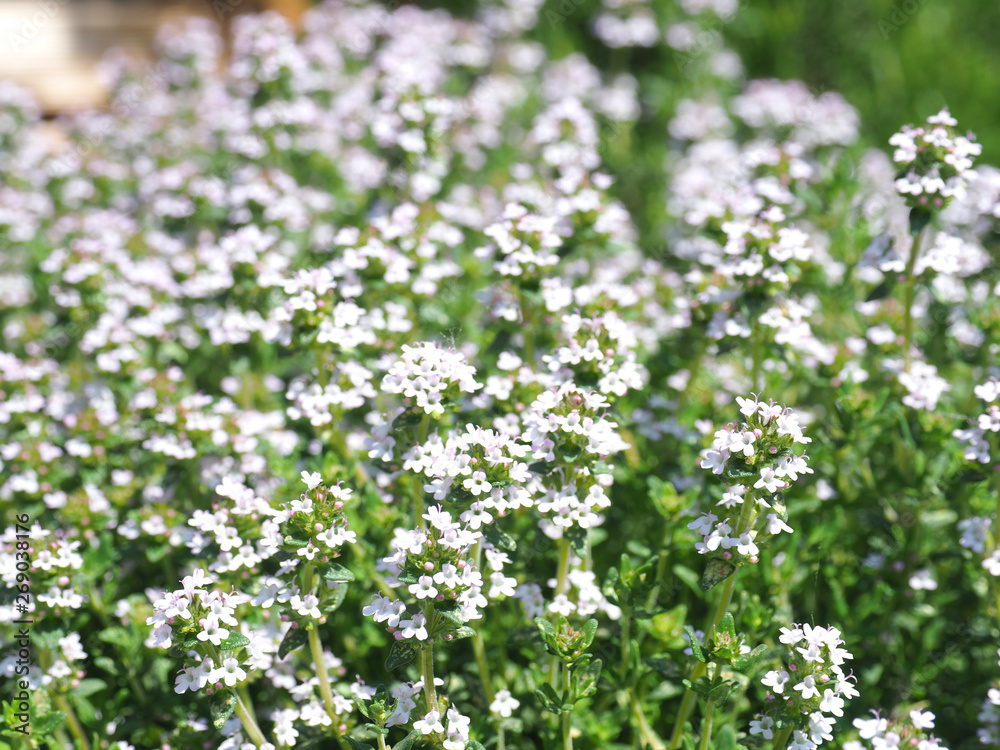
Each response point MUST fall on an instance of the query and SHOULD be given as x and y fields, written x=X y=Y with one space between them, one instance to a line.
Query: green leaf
x=47 y=722
x=335 y=598
x=919 y=218
x=577 y=537
x=221 y=706
x=748 y=660
x=336 y=572
x=362 y=707
x=408 y=575
x=474 y=745
x=589 y=631
x=550 y=701
x=585 y=679
x=695 y=645
x=499 y=539
x=401 y=654
x=294 y=638
x=548 y=633
x=407 y=742
x=689 y=577
x=720 y=693
x=355 y=745
x=89 y=686
x=727 y=625
x=665 y=667
x=737 y=471
x=461 y=632
x=726 y=738
x=716 y=572
x=233 y=641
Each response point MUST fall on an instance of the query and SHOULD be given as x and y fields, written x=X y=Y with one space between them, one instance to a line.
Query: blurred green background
x=895 y=61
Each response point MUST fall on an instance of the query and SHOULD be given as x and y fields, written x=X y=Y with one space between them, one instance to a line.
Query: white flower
x=212 y=631
x=230 y=672
x=504 y=704
x=763 y=726
x=423 y=588
x=430 y=723
x=922 y=719
x=776 y=680
x=923 y=579
x=768 y=481
x=808 y=687
x=312 y=480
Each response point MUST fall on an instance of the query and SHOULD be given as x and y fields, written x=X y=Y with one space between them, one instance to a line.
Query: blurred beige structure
x=53 y=46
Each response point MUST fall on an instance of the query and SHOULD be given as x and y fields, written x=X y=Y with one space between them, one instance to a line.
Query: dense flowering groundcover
x=342 y=405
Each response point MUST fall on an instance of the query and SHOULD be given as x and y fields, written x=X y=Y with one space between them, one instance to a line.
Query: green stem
x=381 y=743
x=418 y=484
x=500 y=736
x=706 y=725
x=693 y=372
x=782 y=737
x=908 y=291
x=75 y=727
x=626 y=640
x=321 y=369
x=685 y=710
x=478 y=646
x=687 y=705
x=567 y=729
x=661 y=566
x=758 y=352
x=61 y=738
x=562 y=581
x=649 y=737
x=427 y=673
x=316 y=650
x=245 y=695
x=249 y=724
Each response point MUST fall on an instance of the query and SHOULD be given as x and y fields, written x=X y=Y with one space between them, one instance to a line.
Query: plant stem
x=562 y=581
x=693 y=373
x=908 y=289
x=685 y=710
x=478 y=646
x=249 y=724
x=61 y=738
x=427 y=674
x=706 y=725
x=649 y=737
x=746 y=516
x=758 y=351
x=316 y=650
x=322 y=370
x=500 y=736
x=567 y=732
x=381 y=743
x=661 y=566
x=484 y=668
x=75 y=727
x=245 y=695
x=781 y=738
x=418 y=485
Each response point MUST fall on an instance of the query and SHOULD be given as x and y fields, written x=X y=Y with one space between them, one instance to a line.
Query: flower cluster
x=754 y=457
x=880 y=733
x=982 y=439
x=810 y=690
x=934 y=161
x=430 y=376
